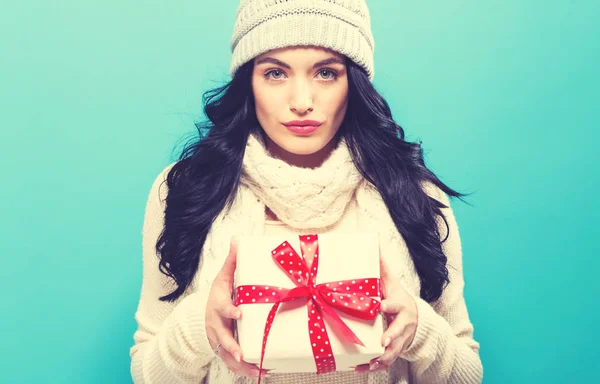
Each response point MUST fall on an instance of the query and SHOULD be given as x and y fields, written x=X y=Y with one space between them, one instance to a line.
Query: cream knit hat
x=340 y=25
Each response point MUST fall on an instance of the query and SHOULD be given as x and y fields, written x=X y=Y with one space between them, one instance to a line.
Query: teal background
x=95 y=97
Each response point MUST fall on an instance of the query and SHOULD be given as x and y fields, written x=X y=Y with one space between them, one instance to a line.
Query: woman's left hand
x=401 y=312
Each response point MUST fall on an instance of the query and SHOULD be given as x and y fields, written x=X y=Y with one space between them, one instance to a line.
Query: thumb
x=228 y=268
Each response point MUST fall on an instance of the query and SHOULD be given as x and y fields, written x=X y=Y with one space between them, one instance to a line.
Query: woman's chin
x=300 y=150
x=303 y=147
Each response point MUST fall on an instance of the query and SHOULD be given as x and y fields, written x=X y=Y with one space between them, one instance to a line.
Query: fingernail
x=373 y=366
x=237 y=315
x=387 y=342
x=237 y=357
x=255 y=372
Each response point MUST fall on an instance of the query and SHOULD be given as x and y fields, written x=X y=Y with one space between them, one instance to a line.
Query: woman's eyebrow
x=331 y=60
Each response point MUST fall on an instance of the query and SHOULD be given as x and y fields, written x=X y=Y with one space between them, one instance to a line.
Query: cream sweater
x=170 y=344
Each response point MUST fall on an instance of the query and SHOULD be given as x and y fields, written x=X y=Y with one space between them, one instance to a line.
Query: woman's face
x=298 y=86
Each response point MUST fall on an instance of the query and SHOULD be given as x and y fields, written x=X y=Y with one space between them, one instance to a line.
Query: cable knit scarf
x=301 y=197
x=308 y=200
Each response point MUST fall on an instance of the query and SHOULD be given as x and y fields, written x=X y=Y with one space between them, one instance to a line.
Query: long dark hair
x=205 y=178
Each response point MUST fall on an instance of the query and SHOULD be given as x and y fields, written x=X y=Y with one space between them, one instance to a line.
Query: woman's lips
x=302 y=129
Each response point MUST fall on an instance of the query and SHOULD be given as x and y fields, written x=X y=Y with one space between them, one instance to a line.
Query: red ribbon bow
x=349 y=296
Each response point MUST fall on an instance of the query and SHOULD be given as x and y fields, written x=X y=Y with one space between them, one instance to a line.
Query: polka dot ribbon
x=349 y=296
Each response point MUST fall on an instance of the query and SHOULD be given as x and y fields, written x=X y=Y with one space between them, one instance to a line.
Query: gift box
x=329 y=318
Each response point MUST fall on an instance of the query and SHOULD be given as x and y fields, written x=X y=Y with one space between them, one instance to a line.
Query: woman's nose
x=301 y=100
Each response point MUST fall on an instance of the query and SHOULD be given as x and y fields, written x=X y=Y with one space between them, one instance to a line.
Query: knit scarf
x=302 y=198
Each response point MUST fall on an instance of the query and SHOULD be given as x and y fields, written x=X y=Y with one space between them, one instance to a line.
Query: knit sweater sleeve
x=170 y=343
x=444 y=350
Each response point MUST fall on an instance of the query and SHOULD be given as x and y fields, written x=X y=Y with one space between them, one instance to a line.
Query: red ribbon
x=348 y=296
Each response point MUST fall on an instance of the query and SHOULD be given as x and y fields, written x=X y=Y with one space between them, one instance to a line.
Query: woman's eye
x=272 y=72
x=328 y=74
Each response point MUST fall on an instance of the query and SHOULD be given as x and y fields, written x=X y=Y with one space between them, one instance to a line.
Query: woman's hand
x=220 y=313
x=401 y=312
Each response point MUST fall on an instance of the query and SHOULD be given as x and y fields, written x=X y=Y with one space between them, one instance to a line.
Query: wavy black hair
x=205 y=178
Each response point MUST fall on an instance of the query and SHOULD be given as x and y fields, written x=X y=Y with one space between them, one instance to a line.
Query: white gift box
x=342 y=256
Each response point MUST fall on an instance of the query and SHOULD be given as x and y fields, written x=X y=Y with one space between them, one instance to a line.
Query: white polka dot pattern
x=349 y=296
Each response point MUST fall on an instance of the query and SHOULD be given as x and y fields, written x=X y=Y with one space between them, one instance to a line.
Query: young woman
x=300 y=142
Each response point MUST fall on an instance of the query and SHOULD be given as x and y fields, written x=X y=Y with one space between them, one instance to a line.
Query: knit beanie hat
x=343 y=26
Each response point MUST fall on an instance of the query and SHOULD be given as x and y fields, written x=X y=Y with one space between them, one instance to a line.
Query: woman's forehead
x=311 y=51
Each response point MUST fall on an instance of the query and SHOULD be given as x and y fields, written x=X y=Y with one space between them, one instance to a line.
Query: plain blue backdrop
x=95 y=97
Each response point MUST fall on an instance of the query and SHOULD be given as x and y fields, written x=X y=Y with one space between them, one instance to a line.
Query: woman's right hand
x=220 y=313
